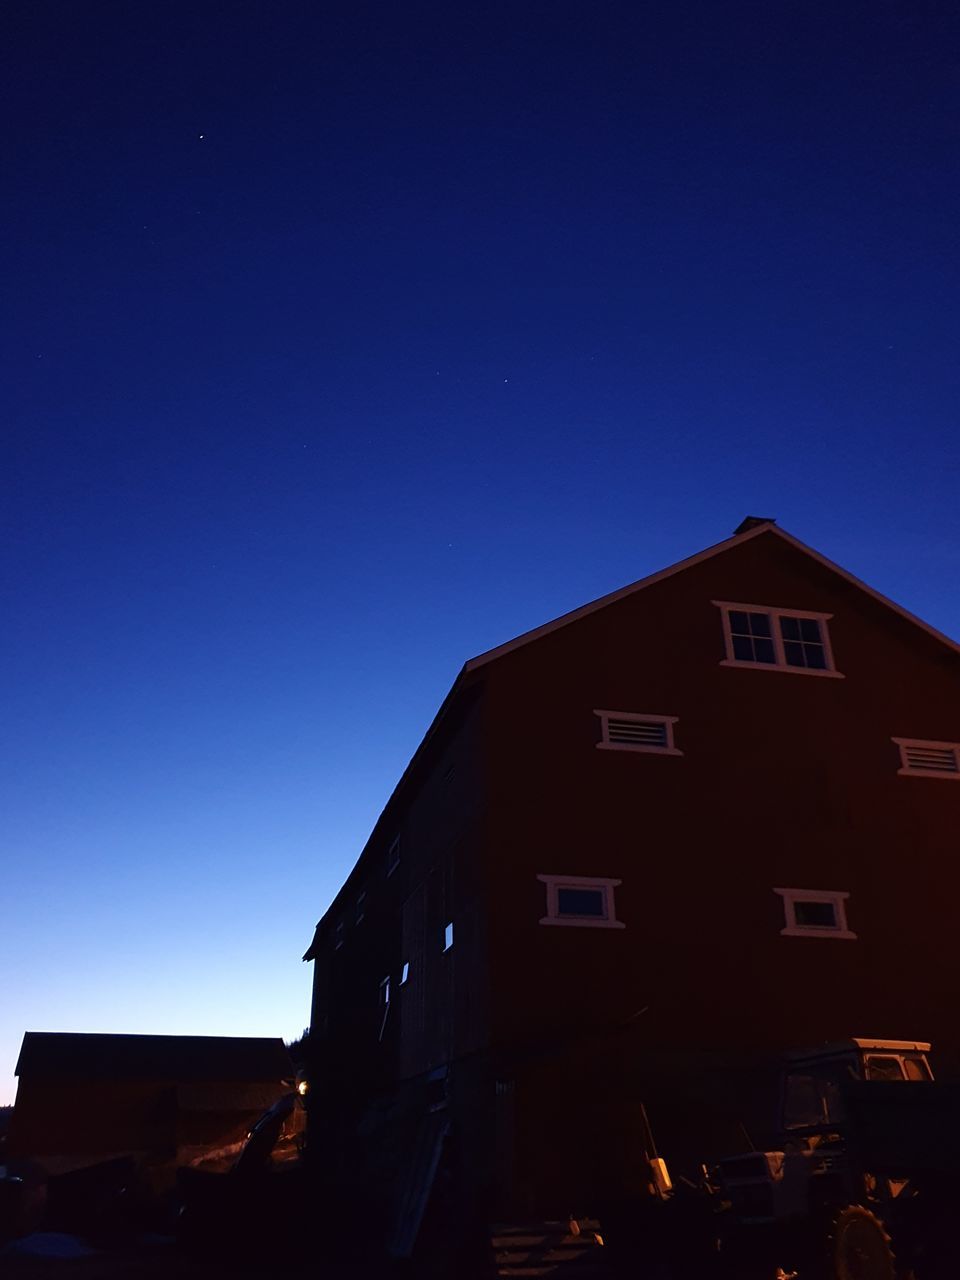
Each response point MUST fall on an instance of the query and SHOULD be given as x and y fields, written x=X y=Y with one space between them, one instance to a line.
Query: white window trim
x=393 y=856
x=907 y=770
x=603 y=883
x=667 y=721
x=781 y=664
x=384 y=1005
x=837 y=900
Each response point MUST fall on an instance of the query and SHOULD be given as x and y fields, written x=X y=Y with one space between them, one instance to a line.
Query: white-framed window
x=772 y=639
x=338 y=935
x=405 y=973
x=361 y=905
x=582 y=901
x=393 y=856
x=923 y=759
x=632 y=731
x=384 y=1005
x=815 y=913
x=448 y=935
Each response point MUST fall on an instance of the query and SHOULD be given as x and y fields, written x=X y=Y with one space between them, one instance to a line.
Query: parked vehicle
x=863 y=1184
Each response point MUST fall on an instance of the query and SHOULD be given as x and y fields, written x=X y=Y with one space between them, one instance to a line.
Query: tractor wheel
x=860 y=1247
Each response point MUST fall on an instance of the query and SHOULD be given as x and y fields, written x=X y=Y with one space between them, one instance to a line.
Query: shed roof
x=59 y=1055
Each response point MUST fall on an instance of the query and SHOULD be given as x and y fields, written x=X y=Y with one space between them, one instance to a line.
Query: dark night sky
x=342 y=342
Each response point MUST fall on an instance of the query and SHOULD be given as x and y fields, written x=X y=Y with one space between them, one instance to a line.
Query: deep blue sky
x=454 y=317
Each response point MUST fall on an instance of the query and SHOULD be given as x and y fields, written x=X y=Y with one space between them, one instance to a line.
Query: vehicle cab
x=778 y=1186
x=811 y=1097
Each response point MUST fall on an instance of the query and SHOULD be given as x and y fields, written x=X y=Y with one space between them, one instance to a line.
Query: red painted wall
x=786 y=780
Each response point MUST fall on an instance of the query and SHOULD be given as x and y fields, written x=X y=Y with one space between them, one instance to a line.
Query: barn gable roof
x=749 y=529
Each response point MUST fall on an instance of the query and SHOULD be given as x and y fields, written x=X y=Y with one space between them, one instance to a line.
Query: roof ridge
x=754 y=528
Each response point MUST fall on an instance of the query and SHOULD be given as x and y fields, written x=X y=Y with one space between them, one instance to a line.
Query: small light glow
x=302 y=1087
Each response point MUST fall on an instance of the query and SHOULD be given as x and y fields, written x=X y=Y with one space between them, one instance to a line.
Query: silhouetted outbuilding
x=82 y=1097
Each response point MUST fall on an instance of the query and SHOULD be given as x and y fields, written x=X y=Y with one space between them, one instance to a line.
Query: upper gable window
x=779 y=639
x=921 y=759
x=630 y=731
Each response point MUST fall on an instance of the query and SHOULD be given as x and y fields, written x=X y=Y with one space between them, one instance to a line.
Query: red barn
x=641 y=851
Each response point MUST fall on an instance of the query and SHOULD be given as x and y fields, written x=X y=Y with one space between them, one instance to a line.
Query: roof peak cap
x=752 y=522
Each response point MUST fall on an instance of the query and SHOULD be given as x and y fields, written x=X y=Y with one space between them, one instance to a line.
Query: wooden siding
x=786 y=780
x=441 y=1011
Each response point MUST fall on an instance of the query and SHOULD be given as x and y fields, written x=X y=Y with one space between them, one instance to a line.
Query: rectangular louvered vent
x=942 y=759
x=938 y=758
x=635 y=731
x=644 y=733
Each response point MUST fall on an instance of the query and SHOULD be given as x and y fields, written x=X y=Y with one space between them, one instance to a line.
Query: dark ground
x=163 y=1263
x=145 y=1263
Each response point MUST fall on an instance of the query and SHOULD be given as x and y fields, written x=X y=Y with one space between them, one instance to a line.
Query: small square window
x=632 y=731
x=776 y=639
x=751 y=636
x=814 y=913
x=802 y=642
x=393 y=856
x=580 y=901
x=448 y=935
